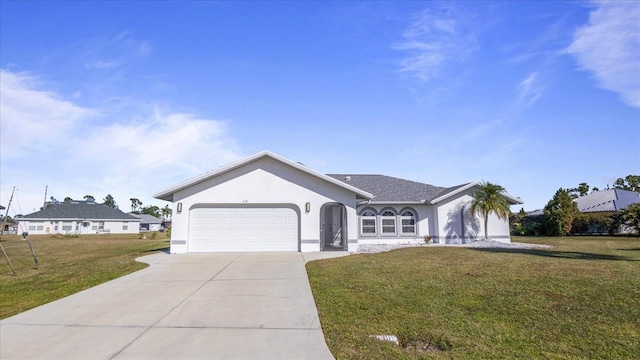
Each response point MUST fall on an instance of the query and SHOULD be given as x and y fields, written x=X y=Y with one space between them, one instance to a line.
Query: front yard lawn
x=67 y=265
x=577 y=300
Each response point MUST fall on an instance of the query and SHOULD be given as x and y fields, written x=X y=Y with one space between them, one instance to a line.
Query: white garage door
x=243 y=229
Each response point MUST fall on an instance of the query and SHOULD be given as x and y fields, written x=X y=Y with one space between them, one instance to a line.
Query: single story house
x=269 y=203
x=78 y=217
x=609 y=200
x=148 y=222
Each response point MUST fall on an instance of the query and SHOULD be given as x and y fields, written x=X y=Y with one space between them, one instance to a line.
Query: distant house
x=78 y=217
x=610 y=200
x=600 y=206
x=604 y=201
x=148 y=222
x=10 y=226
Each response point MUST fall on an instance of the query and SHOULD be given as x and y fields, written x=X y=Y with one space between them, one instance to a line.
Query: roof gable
x=167 y=194
x=79 y=210
x=449 y=192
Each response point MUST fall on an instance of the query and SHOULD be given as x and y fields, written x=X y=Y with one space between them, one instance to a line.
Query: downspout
x=462 y=223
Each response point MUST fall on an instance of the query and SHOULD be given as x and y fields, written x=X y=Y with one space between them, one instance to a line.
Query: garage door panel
x=243 y=229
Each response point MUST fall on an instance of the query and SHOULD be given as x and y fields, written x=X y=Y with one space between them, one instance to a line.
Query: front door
x=333 y=227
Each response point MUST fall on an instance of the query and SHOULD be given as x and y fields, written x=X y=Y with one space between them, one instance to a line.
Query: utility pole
x=4 y=223
x=44 y=204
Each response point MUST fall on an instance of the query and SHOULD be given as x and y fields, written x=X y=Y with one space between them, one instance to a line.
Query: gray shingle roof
x=147 y=219
x=387 y=188
x=82 y=210
x=607 y=200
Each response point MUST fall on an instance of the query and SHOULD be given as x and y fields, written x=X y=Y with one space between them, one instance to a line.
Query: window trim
x=388 y=214
x=413 y=217
x=364 y=217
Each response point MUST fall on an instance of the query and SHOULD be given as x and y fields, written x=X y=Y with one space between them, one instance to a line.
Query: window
x=67 y=226
x=368 y=223
x=408 y=221
x=388 y=219
x=125 y=226
x=36 y=225
x=86 y=224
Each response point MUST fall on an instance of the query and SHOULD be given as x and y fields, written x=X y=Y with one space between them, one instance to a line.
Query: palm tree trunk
x=486 y=224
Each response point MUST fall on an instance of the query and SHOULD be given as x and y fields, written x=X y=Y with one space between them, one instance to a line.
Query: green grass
x=577 y=300
x=67 y=265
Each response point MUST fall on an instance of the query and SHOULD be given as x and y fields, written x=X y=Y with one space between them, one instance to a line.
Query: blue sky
x=129 y=98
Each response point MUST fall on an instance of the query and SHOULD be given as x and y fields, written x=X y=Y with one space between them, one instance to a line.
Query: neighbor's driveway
x=207 y=306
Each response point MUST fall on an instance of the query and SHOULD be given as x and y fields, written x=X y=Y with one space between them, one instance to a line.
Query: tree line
x=561 y=215
x=136 y=206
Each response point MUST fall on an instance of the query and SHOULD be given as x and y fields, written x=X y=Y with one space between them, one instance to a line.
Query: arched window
x=368 y=223
x=388 y=220
x=408 y=222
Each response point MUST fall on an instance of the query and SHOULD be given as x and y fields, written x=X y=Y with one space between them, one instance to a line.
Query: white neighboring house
x=608 y=200
x=78 y=217
x=269 y=203
x=148 y=222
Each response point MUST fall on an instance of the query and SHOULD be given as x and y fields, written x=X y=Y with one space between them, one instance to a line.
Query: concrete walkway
x=191 y=306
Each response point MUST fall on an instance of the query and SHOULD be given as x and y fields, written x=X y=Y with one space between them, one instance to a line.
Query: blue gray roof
x=79 y=210
x=147 y=219
x=607 y=200
x=387 y=188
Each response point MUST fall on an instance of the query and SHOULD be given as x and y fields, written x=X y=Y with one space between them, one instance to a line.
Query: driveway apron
x=190 y=306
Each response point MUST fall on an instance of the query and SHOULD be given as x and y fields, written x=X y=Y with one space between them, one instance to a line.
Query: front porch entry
x=333 y=227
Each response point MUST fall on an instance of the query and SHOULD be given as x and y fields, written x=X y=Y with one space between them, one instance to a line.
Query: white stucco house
x=78 y=217
x=269 y=203
x=148 y=222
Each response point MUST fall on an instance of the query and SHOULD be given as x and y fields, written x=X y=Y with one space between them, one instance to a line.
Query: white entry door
x=238 y=229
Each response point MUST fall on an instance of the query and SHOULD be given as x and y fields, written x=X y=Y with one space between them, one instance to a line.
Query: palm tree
x=489 y=199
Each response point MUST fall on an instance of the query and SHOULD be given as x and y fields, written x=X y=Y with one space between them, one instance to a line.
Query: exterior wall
x=425 y=224
x=265 y=182
x=455 y=225
x=149 y=227
x=66 y=226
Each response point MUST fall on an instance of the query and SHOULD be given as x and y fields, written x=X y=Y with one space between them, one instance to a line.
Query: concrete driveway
x=191 y=306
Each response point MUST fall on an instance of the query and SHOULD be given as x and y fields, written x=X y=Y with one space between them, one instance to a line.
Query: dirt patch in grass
x=423 y=343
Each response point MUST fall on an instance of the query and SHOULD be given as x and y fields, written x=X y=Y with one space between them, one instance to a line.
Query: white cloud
x=48 y=140
x=609 y=47
x=435 y=38
x=32 y=118
x=119 y=51
x=101 y=65
x=529 y=90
